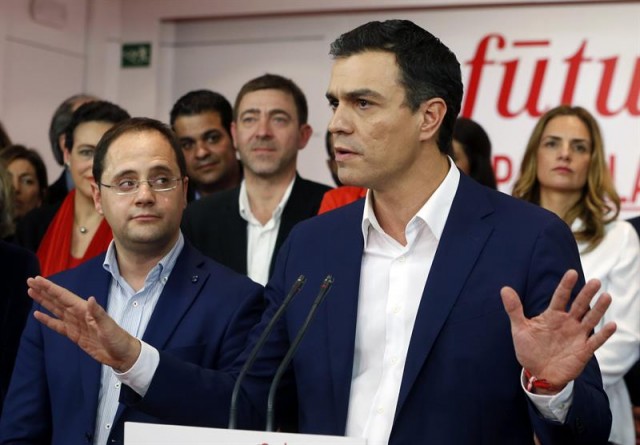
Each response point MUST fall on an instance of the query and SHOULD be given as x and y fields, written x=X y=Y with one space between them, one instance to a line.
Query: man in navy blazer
x=191 y=314
x=446 y=323
x=413 y=344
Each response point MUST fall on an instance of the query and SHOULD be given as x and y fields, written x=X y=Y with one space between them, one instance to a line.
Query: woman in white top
x=564 y=170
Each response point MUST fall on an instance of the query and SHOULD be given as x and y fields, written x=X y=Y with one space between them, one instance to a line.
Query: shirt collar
x=245 y=208
x=162 y=269
x=434 y=212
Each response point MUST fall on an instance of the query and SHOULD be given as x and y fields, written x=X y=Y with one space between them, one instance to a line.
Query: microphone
x=297 y=286
x=324 y=289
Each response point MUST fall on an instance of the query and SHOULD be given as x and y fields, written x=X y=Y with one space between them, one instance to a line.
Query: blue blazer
x=200 y=326
x=461 y=382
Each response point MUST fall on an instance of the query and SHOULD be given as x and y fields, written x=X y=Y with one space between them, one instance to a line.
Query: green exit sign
x=136 y=55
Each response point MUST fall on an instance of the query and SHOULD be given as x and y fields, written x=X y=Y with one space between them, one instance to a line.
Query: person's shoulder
x=311 y=186
x=336 y=221
x=15 y=255
x=622 y=230
x=213 y=203
x=81 y=273
x=509 y=209
x=223 y=275
x=43 y=214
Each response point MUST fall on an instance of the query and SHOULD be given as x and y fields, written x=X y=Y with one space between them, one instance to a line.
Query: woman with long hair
x=564 y=170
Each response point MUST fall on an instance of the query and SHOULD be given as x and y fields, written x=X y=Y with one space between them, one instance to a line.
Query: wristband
x=535 y=382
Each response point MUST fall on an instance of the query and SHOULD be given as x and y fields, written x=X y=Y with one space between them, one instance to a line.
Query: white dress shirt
x=261 y=239
x=616 y=263
x=132 y=311
x=392 y=281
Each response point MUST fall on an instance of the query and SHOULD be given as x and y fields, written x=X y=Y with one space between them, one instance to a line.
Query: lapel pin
x=194 y=279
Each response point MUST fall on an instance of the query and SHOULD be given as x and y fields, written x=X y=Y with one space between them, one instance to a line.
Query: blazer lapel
x=341 y=307
x=463 y=238
x=234 y=241
x=182 y=288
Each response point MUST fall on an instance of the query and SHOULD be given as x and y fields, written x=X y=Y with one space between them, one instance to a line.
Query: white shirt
x=616 y=263
x=132 y=311
x=261 y=239
x=392 y=281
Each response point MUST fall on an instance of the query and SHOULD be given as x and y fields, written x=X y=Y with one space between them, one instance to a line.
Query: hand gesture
x=85 y=323
x=556 y=345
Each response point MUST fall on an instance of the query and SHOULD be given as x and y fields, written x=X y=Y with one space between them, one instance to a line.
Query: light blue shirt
x=132 y=311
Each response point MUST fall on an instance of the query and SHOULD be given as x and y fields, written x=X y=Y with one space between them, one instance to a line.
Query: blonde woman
x=564 y=170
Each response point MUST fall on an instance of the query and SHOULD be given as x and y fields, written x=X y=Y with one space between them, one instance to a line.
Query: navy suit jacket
x=200 y=325
x=461 y=382
x=214 y=225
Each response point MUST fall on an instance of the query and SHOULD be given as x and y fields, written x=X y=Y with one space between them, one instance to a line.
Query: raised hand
x=85 y=323
x=556 y=345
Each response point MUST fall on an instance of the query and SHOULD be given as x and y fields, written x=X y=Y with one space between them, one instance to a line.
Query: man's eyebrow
x=279 y=111
x=356 y=94
x=250 y=111
x=363 y=92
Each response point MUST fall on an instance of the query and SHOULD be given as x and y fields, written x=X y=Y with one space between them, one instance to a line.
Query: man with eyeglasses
x=186 y=316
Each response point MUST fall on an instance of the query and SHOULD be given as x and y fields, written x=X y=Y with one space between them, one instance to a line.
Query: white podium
x=151 y=434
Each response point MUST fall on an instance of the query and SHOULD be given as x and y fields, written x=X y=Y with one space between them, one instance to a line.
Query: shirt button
x=402 y=259
x=117 y=385
x=396 y=309
x=135 y=304
x=394 y=360
x=380 y=410
x=164 y=280
x=107 y=426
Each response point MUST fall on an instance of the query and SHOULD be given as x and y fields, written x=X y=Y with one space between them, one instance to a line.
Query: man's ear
x=185 y=188
x=233 y=136
x=305 y=134
x=432 y=114
x=97 y=197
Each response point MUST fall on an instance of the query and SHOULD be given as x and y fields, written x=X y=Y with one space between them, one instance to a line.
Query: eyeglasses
x=131 y=186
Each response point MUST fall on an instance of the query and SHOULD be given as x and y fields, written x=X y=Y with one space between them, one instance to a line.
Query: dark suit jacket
x=461 y=382
x=16 y=265
x=199 y=325
x=215 y=227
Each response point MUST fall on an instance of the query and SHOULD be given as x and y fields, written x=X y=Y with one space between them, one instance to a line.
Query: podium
x=152 y=434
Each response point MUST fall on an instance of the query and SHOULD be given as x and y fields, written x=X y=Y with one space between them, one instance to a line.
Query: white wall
x=43 y=61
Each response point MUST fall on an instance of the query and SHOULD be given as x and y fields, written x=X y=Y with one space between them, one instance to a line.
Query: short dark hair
x=203 y=101
x=428 y=68
x=477 y=146
x=98 y=111
x=60 y=122
x=13 y=152
x=136 y=125
x=275 y=82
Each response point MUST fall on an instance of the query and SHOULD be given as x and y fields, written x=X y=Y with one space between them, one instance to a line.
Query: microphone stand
x=324 y=289
x=233 y=410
